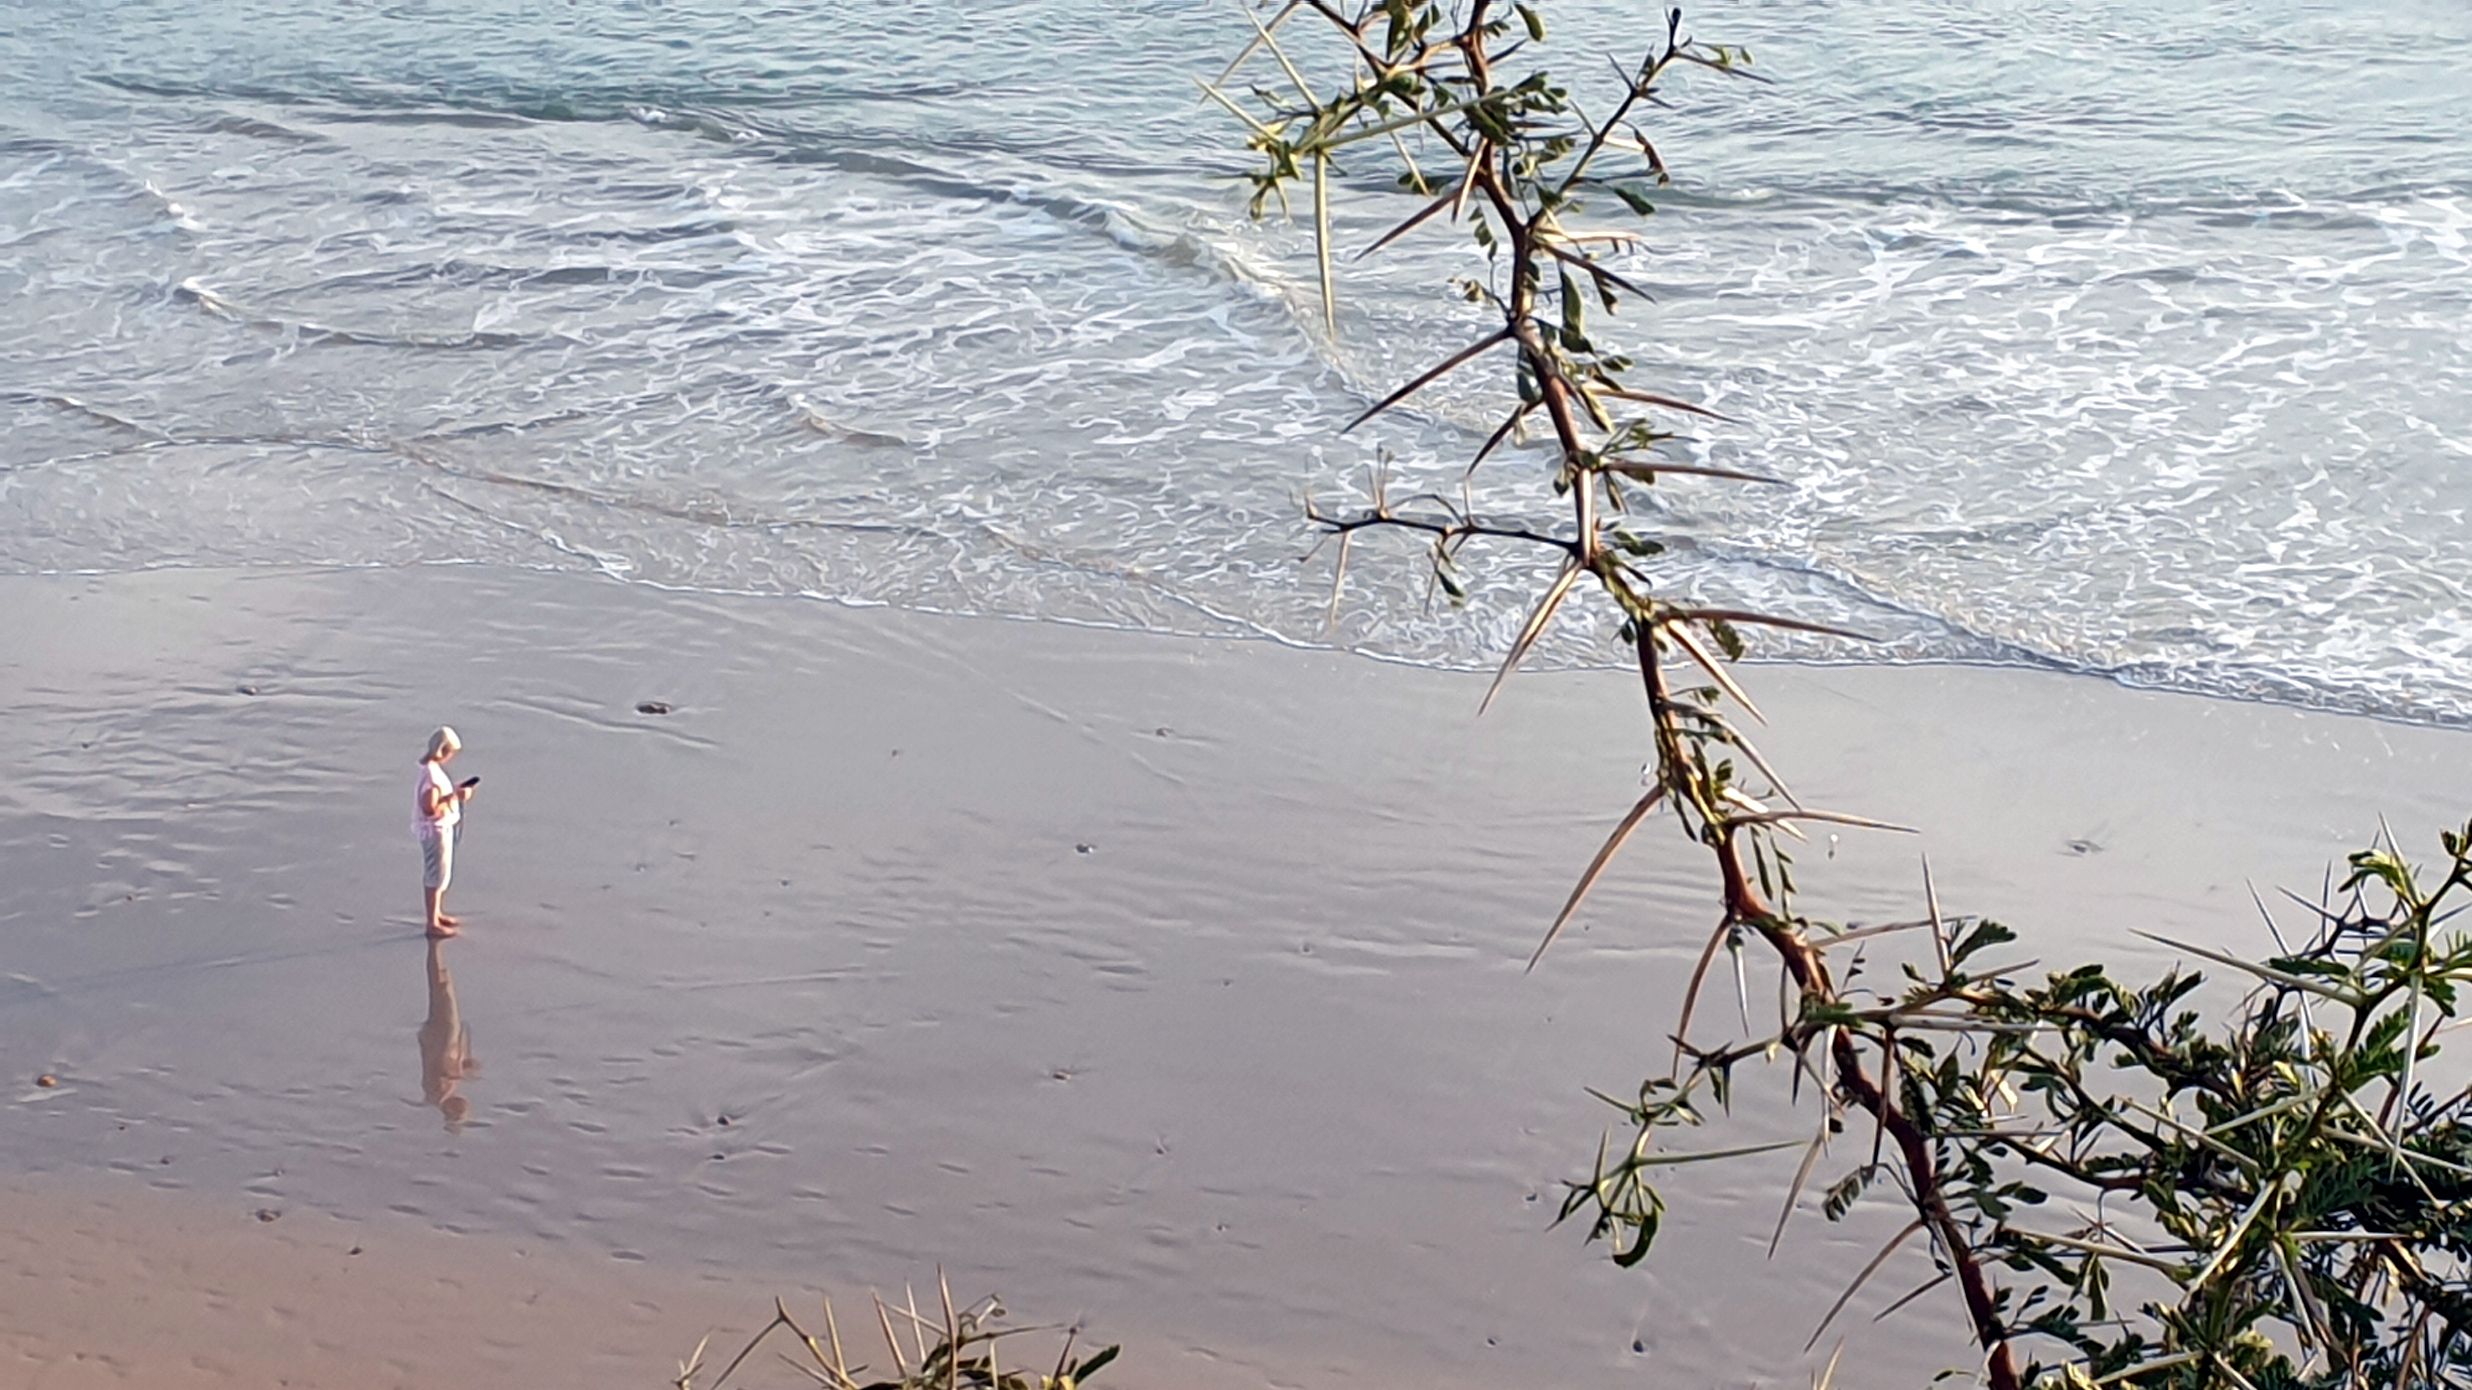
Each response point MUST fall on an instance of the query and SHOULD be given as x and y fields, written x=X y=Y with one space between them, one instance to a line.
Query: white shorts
x=437 y=859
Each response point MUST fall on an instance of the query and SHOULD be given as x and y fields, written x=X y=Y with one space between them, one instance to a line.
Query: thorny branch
x=954 y=1348
x=2236 y=1170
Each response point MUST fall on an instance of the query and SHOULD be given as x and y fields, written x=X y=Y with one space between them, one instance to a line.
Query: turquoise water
x=2116 y=337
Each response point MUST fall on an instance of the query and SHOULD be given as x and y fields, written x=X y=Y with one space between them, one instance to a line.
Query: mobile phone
x=469 y=782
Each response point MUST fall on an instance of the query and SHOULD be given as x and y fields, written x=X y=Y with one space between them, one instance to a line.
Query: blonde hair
x=442 y=742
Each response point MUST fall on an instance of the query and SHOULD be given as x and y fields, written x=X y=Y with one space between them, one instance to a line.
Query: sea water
x=2104 y=335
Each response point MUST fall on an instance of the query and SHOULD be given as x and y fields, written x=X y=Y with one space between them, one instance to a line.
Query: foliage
x=2285 y=1200
x=959 y=1351
x=2281 y=1195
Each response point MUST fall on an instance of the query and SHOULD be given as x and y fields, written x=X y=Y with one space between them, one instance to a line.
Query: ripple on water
x=2121 y=380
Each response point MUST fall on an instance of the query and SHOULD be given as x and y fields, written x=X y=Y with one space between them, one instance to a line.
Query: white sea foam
x=2188 y=407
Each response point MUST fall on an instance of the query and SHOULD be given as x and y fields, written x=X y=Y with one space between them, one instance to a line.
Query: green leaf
x=1845 y=1192
x=1647 y=1222
x=1534 y=21
x=1984 y=935
x=1638 y=200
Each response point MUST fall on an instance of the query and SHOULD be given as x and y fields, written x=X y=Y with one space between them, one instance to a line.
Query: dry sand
x=1169 y=985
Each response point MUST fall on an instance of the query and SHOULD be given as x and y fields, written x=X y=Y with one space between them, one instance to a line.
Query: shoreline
x=1243 y=633
x=1169 y=983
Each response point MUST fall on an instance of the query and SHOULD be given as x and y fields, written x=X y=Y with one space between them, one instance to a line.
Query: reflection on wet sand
x=446 y=1046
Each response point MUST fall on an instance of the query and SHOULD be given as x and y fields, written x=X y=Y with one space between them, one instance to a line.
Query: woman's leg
x=437 y=870
x=454 y=842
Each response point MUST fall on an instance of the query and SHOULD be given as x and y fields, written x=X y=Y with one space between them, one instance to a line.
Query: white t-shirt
x=449 y=812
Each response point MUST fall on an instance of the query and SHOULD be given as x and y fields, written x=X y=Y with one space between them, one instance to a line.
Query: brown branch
x=1521 y=200
x=1449 y=529
x=1595 y=269
x=1678 y=768
x=1520 y=309
x=1745 y=904
x=1430 y=376
x=1639 y=85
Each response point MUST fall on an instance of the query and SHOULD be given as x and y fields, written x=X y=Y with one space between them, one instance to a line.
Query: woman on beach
x=437 y=809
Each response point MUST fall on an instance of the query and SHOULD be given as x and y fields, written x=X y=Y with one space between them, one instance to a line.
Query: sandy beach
x=1170 y=986
x=868 y=483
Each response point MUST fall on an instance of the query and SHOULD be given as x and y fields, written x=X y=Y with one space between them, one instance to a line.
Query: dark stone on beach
x=268 y=1214
x=654 y=707
x=250 y=690
x=1085 y=849
x=47 y=1081
x=353 y=1251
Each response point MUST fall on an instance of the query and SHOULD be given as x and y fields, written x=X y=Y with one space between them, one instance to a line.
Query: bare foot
x=439 y=931
x=446 y=921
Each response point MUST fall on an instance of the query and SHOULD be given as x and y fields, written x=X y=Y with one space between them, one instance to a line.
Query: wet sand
x=108 y=1284
x=1173 y=986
